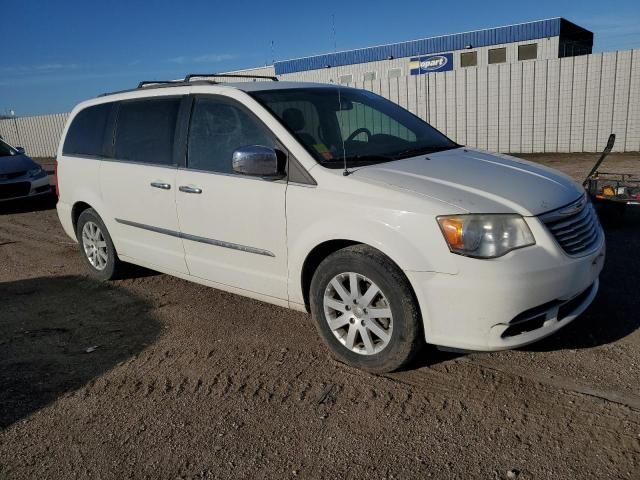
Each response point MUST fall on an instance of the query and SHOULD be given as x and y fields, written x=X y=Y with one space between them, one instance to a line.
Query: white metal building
x=526 y=88
x=540 y=40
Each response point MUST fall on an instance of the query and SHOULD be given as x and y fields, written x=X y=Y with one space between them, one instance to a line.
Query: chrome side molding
x=196 y=238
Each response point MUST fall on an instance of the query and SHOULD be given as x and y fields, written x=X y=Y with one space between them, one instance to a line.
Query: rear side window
x=218 y=128
x=145 y=130
x=86 y=134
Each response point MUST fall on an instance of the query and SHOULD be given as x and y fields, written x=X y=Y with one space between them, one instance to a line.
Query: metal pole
x=15 y=125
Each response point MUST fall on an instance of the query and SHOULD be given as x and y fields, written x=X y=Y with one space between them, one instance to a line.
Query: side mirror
x=20 y=150
x=256 y=160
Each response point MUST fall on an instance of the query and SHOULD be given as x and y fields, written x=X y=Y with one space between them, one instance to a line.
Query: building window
x=395 y=73
x=469 y=59
x=528 y=51
x=369 y=76
x=497 y=55
x=346 y=79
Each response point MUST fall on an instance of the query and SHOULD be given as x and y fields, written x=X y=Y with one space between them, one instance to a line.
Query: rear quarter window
x=86 y=134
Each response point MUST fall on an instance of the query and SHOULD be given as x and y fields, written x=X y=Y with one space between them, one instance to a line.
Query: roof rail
x=189 y=79
x=144 y=83
x=229 y=75
x=191 y=76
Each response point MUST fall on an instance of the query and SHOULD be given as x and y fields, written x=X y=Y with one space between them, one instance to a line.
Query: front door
x=233 y=226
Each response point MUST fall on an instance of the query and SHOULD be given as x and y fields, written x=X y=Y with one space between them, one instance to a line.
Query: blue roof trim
x=480 y=38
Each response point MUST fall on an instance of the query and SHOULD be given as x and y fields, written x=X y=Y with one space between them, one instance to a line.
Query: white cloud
x=205 y=58
x=40 y=68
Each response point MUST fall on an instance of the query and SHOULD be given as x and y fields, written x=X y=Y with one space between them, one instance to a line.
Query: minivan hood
x=478 y=182
x=15 y=164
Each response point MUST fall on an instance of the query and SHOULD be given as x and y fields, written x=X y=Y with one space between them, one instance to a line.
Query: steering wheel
x=357 y=132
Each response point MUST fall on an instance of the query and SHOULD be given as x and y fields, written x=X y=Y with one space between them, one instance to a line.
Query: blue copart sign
x=431 y=63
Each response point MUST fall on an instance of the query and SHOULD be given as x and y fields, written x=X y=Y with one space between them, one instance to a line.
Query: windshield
x=362 y=126
x=6 y=150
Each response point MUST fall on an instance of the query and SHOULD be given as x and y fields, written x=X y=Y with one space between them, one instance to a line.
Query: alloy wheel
x=358 y=313
x=95 y=245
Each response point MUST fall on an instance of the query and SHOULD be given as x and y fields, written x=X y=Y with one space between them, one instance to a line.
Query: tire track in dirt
x=232 y=386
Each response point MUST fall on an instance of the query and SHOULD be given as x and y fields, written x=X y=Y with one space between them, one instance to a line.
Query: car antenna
x=273 y=53
x=345 y=172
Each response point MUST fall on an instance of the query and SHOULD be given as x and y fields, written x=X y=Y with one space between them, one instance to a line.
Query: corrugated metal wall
x=39 y=135
x=556 y=105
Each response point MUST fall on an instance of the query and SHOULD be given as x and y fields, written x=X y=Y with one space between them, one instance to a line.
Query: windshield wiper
x=369 y=158
x=413 y=152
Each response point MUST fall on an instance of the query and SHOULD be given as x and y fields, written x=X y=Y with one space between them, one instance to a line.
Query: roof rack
x=191 y=76
x=229 y=75
x=201 y=78
x=144 y=83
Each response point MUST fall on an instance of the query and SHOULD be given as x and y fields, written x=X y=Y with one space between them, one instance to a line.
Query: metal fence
x=558 y=105
x=39 y=135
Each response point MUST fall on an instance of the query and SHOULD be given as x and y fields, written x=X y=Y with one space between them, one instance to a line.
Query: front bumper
x=477 y=308
x=24 y=187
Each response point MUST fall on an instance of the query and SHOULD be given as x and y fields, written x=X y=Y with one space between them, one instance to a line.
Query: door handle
x=163 y=186
x=187 y=189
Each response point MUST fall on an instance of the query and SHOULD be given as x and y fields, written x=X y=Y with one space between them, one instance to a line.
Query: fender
x=406 y=237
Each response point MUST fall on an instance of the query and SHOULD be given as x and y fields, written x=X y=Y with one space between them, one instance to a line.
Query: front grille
x=11 y=176
x=575 y=227
x=10 y=190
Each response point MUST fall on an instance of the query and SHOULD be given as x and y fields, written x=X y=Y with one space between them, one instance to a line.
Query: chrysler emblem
x=574 y=207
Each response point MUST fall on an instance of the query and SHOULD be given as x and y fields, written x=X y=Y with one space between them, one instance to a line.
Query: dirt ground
x=155 y=377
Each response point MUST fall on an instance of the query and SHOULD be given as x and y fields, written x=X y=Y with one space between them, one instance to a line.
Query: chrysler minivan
x=334 y=201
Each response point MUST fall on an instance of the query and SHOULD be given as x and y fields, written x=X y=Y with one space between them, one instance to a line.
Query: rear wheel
x=365 y=310
x=96 y=246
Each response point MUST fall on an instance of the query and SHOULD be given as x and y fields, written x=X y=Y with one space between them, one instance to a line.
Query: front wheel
x=365 y=310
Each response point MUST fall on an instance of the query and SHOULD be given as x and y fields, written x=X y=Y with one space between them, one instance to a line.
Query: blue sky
x=57 y=53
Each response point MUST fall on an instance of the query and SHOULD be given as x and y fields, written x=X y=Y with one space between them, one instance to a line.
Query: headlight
x=485 y=236
x=36 y=172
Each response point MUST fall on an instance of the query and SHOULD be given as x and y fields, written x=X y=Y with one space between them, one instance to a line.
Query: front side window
x=6 y=150
x=87 y=131
x=362 y=127
x=218 y=128
x=145 y=130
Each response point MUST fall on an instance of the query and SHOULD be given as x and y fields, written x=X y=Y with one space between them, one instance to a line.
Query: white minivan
x=334 y=201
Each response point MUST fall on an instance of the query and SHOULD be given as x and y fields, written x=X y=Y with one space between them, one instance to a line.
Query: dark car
x=19 y=175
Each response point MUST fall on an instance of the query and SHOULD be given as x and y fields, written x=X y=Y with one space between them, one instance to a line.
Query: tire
x=394 y=332
x=96 y=244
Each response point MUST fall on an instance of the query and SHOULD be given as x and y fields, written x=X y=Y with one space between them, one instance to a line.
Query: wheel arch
x=322 y=251
x=313 y=260
x=76 y=211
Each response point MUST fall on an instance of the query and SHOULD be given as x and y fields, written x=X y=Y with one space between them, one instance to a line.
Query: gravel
x=190 y=382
